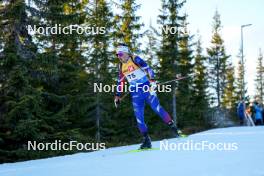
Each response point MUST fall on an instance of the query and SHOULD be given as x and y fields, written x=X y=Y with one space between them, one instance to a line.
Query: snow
x=247 y=160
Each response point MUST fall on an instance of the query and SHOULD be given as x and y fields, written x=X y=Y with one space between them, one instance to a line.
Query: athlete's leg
x=153 y=101
x=139 y=105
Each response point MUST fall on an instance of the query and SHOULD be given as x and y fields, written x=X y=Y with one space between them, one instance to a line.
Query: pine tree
x=217 y=60
x=185 y=68
x=127 y=25
x=239 y=81
x=99 y=64
x=260 y=78
x=229 y=95
x=199 y=100
x=60 y=67
x=20 y=104
x=170 y=21
x=47 y=91
x=150 y=52
x=2 y=9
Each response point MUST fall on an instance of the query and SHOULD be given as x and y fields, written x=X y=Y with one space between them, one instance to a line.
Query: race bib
x=135 y=75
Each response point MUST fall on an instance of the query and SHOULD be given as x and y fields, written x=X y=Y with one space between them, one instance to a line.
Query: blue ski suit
x=241 y=110
x=258 y=115
x=138 y=74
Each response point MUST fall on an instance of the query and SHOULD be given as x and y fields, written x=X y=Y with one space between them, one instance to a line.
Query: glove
x=153 y=86
x=117 y=101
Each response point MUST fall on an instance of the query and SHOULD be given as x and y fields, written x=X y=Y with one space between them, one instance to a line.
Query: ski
x=183 y=135
x=141 y=150
x=151 y=149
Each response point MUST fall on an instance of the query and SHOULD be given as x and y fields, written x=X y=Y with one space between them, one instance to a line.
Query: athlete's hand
x=117 y=101
x=153 y=84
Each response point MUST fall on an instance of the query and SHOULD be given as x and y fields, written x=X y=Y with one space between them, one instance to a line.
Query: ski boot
x=146 y=144
x=174 y=129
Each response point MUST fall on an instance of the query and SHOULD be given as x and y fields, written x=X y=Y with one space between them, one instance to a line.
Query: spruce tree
x=150 y=52
x=170 y=21
x=99 y=64
x=21 y=105
x=200 y=93
x=229 y=95
x=239 y=83
x=217 y=61
x=127 y=25
x=61 y=66
x=185 y=68
x=260 y=78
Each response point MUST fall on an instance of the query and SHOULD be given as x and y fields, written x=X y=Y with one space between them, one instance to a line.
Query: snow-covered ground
x=245 y=158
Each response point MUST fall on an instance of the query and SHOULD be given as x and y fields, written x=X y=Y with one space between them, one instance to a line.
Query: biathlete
x=139 y=75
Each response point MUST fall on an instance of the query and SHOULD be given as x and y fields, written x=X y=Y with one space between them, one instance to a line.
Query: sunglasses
x=120 y=54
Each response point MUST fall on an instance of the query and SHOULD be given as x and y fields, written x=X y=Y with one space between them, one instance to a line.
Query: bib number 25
x=131 y=76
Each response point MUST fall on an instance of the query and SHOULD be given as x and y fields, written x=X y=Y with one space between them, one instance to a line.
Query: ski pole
x=166 y=82
x=177 y=79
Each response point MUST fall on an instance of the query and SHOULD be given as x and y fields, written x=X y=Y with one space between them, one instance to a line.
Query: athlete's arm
x=145 y=67
x=120 y=83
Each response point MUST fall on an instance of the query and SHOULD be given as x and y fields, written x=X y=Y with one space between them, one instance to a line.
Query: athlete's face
x=123 y=56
